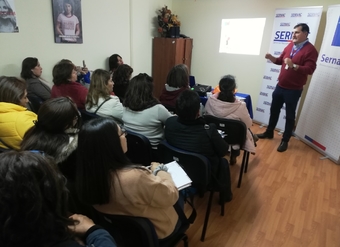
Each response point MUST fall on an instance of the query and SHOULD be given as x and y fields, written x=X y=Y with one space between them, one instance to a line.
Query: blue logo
x=313 y=14
x=280 y=15
x=296 y=15
x=336 y=38
x=260 y=109
x=274 y=70
x=283 y=36
x=284 y=24
x=331 y=60
x=265 y=77
x=277 y=53
x=264 y=94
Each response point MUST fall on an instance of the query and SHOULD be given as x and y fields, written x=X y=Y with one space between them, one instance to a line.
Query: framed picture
x=8 y=20
x=67 y=22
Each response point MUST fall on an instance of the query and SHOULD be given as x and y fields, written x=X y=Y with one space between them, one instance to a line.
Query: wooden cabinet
x=166 y=53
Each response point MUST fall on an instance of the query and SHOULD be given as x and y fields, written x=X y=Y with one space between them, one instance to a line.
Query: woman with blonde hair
x=99 y=99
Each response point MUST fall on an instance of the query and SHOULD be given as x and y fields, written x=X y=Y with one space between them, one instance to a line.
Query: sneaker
x=266 y=135
x=283 y=146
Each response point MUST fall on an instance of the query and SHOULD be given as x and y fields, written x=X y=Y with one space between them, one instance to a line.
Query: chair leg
x=246 y=168
x=207 y=214
x=242 y=169
x=185 y=241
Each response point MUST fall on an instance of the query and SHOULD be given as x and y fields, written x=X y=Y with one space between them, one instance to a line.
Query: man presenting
x=298 y=60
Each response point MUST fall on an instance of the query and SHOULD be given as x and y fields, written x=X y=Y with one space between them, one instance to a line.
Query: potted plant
x=169 y=25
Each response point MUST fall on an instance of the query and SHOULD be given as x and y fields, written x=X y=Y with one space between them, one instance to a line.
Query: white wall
x=143 y=29
x=106 y=30
x=201 y=20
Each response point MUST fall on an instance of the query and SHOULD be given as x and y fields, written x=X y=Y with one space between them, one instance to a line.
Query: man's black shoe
x=264 y=135
x=283 y=146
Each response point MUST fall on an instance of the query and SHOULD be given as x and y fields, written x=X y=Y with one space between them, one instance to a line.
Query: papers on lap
x=179 y=176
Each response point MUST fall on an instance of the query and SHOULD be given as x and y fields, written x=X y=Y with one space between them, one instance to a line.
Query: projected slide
x=242 y=36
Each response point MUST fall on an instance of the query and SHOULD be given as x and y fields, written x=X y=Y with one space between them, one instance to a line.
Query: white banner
x=285 y=20
x=319 y=121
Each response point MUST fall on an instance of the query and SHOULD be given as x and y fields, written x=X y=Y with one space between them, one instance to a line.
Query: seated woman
x=31 y=72
x=15 y=119
x=176 y=82
x=142 y=111
x=56 y=133
x=225 y=105
x=99 y=100
x=83 y=73
x=121 y=79
x=114 y=61
x=64 y=79
x=129 y=189
x=33 y=202
x=189 y=131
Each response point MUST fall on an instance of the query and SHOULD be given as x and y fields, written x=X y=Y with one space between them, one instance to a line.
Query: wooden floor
x=286 y=199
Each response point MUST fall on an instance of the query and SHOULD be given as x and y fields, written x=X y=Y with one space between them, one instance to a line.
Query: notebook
x=179 y=176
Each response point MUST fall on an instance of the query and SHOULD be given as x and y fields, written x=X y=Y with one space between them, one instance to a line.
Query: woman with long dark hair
x=143 y=113
x=56 y=133
x=31 y=72
x=33 y=202
x=225 y=105
x=107 y=180
x=121 y=79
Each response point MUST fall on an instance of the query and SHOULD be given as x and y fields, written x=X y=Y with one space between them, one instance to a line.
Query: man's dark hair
x=188 y=105
x=304 y=27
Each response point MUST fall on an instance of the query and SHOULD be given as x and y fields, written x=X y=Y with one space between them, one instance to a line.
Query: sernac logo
x=274 y=70
x=296 y=15
x=267 y=103
x=264 y=94
x=260 y=109
x=265 y=77
x=336 y=37
x=280 y=15
x=270 y=87
x=283 y=36
x=284 y=24
x=313 y=14
x=277 y=53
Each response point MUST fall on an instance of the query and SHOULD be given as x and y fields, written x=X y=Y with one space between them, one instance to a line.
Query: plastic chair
x=235 y=133
x=139 y=231
x=198 y=169
x=139 y=148
x=34 y=102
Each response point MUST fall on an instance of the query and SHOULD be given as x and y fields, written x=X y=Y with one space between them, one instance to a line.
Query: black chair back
x=129 y=230
x=138 y=231
x=34 y=102
x=197 y=166
x=139 y=148
x=235 y=133
x=86 y=116
x=198 y=169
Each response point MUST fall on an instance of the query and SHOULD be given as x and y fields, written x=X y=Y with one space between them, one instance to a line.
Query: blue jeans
x=290 y=98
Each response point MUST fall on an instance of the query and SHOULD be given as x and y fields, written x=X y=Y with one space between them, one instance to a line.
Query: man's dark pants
x=290 y=98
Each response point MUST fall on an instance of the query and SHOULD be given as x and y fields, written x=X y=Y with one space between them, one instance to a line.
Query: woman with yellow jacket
x=15 y=119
